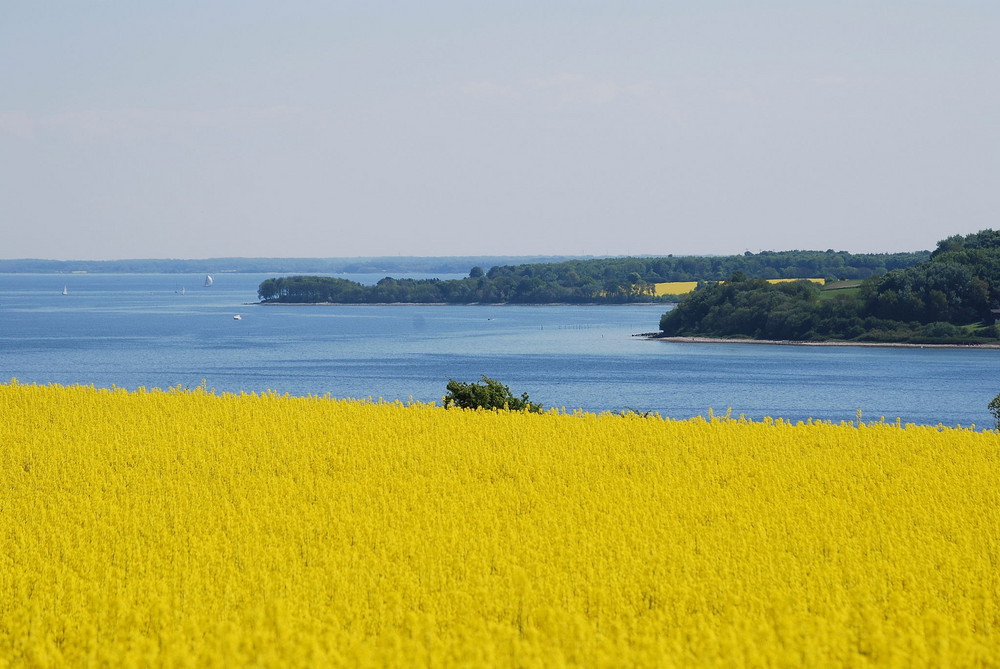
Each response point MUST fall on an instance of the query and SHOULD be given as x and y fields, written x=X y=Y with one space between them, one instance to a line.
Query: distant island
x=586 y=281
x=359 y=265
x=951 y=298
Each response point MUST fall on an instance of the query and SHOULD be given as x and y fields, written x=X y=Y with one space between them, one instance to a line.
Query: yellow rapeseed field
x=190 y=529
x=685 y=287
x=675 y=287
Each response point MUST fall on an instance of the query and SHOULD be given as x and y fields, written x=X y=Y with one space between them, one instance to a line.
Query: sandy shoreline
x=442 y=304
x=776 y=342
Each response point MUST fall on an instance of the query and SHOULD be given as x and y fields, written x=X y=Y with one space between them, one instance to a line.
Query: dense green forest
x=950 y=298
x=611 y=280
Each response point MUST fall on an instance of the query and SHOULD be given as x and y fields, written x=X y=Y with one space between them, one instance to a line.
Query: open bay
x=165 y=330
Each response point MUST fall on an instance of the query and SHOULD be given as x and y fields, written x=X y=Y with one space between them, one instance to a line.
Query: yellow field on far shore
x=685 y=287
x=675 y=287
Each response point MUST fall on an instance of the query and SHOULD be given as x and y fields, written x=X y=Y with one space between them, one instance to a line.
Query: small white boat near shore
x=237 y=317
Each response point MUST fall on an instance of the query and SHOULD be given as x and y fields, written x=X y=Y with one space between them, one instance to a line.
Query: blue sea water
x=167 y=330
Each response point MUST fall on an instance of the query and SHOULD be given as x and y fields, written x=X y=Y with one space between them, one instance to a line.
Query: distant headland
x=589 y=281
x=951 y=298
x=354 y=265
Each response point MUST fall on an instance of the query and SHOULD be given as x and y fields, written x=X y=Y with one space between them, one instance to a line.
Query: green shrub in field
x=489 y=394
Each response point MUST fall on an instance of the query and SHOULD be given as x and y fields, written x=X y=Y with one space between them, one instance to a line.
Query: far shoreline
x=790 y=342
x=457 y=304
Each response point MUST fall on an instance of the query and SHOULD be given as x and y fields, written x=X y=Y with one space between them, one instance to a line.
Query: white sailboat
x=209 y=280
x=65 y=290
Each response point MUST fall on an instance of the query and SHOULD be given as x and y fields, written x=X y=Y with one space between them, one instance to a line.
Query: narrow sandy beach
x=773 y=342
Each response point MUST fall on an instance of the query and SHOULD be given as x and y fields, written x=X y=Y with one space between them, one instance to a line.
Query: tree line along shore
x=950 y=296
x=605 y=280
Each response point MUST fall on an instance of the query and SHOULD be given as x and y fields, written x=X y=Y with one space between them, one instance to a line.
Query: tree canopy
x=607 y=280
x=490 y=394
x=948 y=299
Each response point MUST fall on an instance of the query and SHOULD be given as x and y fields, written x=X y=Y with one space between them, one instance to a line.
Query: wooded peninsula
x=598 y=281
x=952 y=298
x=948 y=296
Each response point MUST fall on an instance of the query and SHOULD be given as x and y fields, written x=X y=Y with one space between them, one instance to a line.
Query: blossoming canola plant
x=185 y=528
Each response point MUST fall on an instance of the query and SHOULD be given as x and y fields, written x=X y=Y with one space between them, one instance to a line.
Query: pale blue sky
x=193 y=129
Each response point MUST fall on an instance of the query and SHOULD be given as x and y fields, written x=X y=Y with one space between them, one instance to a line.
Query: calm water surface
x=169 y=330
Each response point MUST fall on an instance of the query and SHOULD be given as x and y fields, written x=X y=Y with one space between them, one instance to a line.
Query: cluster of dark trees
x=489 y=394
x=765 y=265
x=613 y=280
x=476 y=288
x=951 y=298
x=831 y=265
